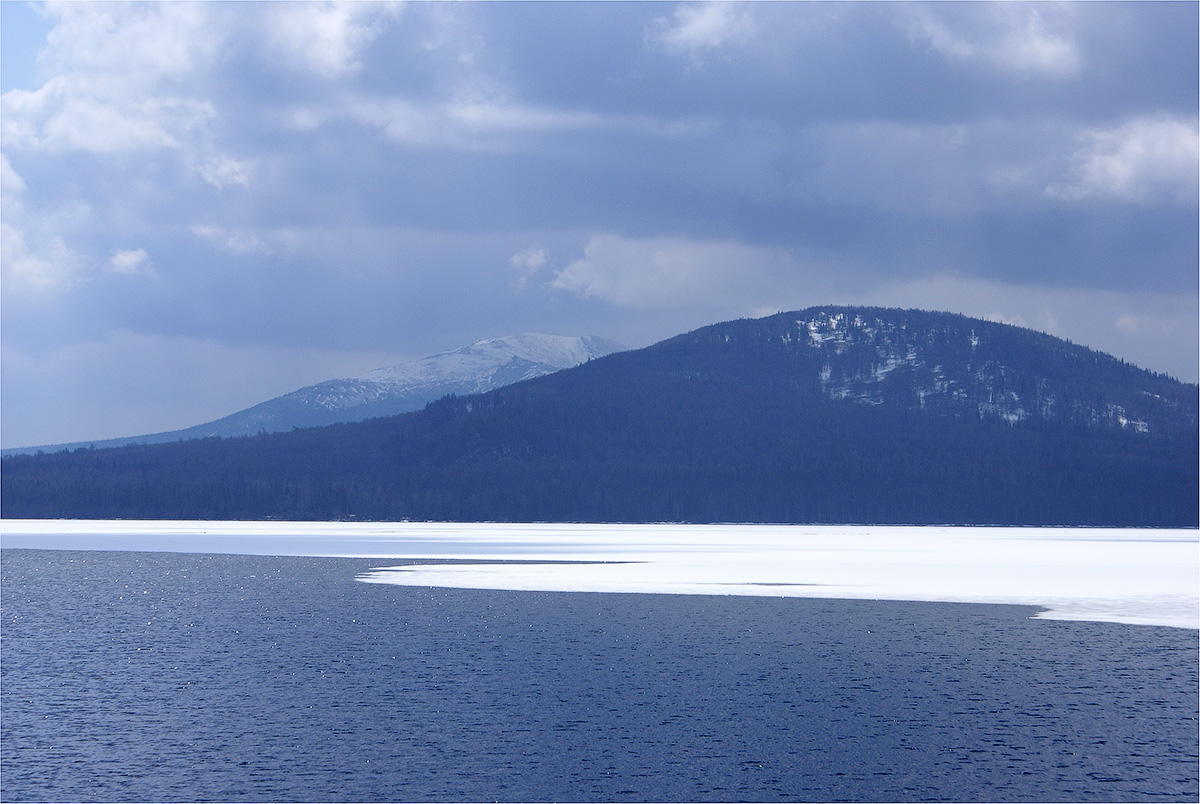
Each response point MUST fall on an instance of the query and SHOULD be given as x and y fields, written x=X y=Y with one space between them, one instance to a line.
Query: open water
x=168 y=677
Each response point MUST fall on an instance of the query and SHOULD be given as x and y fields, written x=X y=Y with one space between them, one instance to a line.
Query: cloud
x=49 y=266
x=527 y=263
x=52 y=270
x=11 y=183
x=142 y=42
x=1144 y=161
x=1027 y=39
x=239 y=241
x=118 y=76
x=495 y=125
x=224 y=171
x=698 y=28
x=130 y=262
x=326 y=38
x=81 y=113
x=138 y=76
x=1134 y=324
x=470 y=125
x=671 y=272
x=85 y=124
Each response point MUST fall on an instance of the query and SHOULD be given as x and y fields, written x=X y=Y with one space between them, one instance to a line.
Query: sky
x=204 y=206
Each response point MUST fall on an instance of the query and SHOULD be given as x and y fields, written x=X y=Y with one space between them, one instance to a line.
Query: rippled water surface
x=155 y=676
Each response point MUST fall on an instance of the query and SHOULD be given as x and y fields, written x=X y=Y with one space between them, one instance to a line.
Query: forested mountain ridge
x=826 y=415
x=951 y=364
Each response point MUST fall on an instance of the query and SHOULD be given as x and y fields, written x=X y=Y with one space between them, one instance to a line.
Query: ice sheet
x=1118 y=575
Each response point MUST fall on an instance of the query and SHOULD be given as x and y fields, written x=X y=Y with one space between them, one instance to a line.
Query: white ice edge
x=1149 y=577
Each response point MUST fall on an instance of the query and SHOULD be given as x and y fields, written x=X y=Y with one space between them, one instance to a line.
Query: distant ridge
x=833 y=415
x=404 y=387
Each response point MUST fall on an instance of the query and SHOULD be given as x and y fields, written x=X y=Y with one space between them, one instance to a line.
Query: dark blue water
x=164 y=677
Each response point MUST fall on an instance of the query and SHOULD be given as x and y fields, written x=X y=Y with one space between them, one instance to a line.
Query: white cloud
x=493 y=125
x=672 y=272
x=71 y=113
x=224 y=171
x=73 y=122
x=1032 y=47
x=138 y=75
x=528 y=262
x=119 y=79
x=529 y=259
x=326 y=38
x=142 y=42
x=238 y=241
x=34 y=257
x=1145 y=160
x=1019 y=38
x=130 y=262
x=429 y=125
x=51 y=269
x=697 y=28
x=11 y=182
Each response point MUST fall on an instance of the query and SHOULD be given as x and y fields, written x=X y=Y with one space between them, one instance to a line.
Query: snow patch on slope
x=862 y=358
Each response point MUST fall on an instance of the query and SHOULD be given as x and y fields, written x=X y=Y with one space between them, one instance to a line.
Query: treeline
x=681 y=432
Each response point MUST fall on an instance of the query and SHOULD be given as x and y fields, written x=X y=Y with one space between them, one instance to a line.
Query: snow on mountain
x=473 y=369
x=958 y=366
x=489 y=364
x=409 y=386
x=391 y=390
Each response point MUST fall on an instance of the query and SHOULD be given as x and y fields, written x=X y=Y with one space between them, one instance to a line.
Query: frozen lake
x=1112 y=575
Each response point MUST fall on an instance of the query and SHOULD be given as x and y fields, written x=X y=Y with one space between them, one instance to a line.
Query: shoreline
x=1142 y=577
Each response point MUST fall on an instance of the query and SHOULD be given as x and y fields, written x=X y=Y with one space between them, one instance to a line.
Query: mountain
x=955 y=366
x=401 y=388
x=825 y=415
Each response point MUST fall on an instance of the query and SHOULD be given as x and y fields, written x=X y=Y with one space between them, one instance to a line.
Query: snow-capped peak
x=513 y=358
